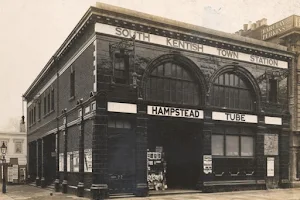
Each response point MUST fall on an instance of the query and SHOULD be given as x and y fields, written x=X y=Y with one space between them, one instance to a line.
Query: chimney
x=263 y=21
x=22 y=125
x=258 y=23
x=253 y=26
x=245 y=27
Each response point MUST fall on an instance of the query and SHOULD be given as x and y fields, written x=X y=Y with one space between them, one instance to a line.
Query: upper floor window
x=171 y=83
x=121 y=65
x=231 y=91
x=72 y=83
x=273 y=90
x=39 y=110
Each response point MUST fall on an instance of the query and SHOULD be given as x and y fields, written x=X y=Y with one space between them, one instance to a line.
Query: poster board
x=270 y=166
x=61 y=162
x=88 y=160
x=207 y=164
x=75 y=161
x=15 y=172
x=69 y=162
x=9 y=174
x=271 y=144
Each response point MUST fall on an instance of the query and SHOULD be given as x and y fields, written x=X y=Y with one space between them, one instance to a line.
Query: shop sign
x=234 y=117
x=270 y=166
x=273 y=120
x=88 y=160
x=187 y=45
x=175 y=112
x=121 y=107
x=207 y=164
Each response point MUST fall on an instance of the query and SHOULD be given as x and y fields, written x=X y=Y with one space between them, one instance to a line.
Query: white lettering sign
x=273 y=120
x=234 y=117
x=187 y=45
x=175 y=112
x=121 y=107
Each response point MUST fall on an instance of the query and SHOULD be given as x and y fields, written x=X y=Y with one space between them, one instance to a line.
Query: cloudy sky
x=32 y=30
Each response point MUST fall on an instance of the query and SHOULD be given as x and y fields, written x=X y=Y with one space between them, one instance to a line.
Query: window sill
x=49 y=113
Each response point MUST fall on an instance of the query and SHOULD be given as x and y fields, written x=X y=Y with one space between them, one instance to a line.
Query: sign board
x=15 y=172
x=61 y=162
x=88 y=160
x=75 y=161
x=188 y=46
x=207 y=164
x=277 y=28
x=270 y=166
x=234 y=117
x=175 y=112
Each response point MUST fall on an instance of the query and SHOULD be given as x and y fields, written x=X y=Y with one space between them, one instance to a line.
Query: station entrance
x=174 y=154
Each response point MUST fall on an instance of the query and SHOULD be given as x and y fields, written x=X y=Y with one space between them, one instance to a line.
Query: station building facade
x=285 y=32
x=132 y=103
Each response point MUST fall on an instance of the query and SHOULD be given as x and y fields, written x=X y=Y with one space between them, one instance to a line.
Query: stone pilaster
x=37 y=179
x=141 y=150
x=99 y=188
x=65 y=181
x=42 y=167
x=80 y=186
x=56 y=186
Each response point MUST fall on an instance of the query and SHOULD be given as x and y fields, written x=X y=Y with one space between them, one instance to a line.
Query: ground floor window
x=225 y=144
x=233 y=152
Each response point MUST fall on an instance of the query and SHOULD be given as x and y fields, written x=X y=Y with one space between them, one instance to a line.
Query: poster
x=69 y=162
x=75 y=161
x=207 y=164
x=271 y=144
x=15 y=172
x=88 y=160
x=270 y=166
x=61 y=162
x=9 y=174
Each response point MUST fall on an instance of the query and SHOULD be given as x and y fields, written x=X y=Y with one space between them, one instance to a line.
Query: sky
x=32 y=30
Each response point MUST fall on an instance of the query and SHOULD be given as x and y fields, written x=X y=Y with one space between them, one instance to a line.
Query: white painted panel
x=234 y=117
x=189 y=46
x=174 y=112
x=273 y=120
x=121 y=107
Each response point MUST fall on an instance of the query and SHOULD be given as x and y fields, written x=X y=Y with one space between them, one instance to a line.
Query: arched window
x=231 y=91
x=171 y=83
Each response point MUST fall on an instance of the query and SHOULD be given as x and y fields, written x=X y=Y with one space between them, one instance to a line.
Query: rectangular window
x=247 y=146
x=52 y=99
x=217 y=145
x=48 y=102
x=18 y=147
x=34 y=114
x=45 y=105
x=80 y=112
x=72 y=83
x=39 y=110
x=119 y=123
x=273 y=90
x=232 y=145
x=121 y=65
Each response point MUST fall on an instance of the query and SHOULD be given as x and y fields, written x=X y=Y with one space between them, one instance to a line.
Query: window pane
x=217 y=145
x=232 y=145
x=127 y=124
x=247 y=146
x=168 y=69
x=160 y=70
x=179 y=71
x=174 y=70
x=119 y=124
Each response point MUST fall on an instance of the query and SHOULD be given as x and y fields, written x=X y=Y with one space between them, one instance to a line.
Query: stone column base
x=43 y=183
x=64 y=186
x=142 y=190
x=99 y=191
x=37 y=181
x=56 y=185
x=80 y=189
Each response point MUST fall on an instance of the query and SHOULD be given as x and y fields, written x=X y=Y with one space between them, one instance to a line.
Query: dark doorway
x=181 y=146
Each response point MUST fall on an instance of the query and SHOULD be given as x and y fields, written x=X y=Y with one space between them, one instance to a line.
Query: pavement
x=26 y=192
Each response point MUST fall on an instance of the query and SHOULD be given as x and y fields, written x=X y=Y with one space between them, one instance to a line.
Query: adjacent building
x=133 y=102
x=285 y=32
x=15 y=170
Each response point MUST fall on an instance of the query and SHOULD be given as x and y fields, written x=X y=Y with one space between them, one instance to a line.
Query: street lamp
x=3 y=151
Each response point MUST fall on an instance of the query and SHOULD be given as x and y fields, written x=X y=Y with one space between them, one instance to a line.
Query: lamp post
x=3 y=151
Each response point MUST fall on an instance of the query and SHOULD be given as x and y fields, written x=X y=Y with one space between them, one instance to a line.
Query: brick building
x=285 y=32
x=132 y=103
